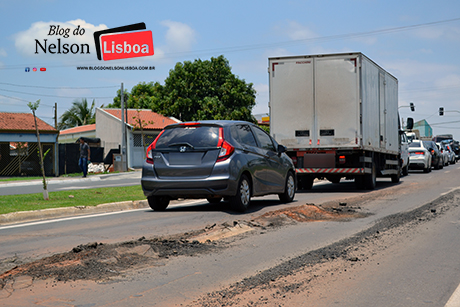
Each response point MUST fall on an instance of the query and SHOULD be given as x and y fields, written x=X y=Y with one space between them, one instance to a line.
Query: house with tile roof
x=71 y=135
x=19 y=144
x=109 y=130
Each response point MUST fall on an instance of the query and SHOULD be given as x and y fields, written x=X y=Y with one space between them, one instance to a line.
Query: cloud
x=3 y=52
x=179 y=37
x=296 y=31
x=25 y=41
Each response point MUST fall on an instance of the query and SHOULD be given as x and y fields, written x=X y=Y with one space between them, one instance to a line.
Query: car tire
x=396 y=177
x=427 y=169
x=158 y=203
x=214 y=200
x=438 y=166
x=240 y=202
x=289 y=189
x=405 y=170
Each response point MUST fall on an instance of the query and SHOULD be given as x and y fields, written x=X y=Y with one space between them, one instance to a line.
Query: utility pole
x=123 y=132
x=55 y=115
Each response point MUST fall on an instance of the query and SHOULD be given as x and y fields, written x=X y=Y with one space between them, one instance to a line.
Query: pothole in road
x=100 y=262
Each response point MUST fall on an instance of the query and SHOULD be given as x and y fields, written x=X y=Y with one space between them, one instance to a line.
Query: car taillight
x=419 y=153
x=226 y=149
x=149 y=155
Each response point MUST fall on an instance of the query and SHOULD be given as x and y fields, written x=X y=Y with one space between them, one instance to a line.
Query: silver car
x=234 y=160
x=419 y=156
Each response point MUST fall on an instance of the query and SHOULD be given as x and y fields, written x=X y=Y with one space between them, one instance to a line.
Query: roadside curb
x=27 y=216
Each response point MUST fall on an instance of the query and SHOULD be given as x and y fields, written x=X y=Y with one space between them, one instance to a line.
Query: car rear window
x=415 y=144
x=196 y=136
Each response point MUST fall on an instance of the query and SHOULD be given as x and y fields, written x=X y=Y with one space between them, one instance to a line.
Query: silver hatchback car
x=234 y=160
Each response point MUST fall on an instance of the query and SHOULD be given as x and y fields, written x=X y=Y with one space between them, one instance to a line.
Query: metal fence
x=23 y=159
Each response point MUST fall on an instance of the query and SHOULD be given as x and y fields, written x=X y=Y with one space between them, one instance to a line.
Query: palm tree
x=78 y=115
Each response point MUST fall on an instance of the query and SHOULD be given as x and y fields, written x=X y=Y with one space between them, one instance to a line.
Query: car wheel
x=158 y=203
x=396 y=177
x=214 y=200
x=438 y=166
x=240 y=202
x=427 y=169
x=289 y=189
x=405 y=170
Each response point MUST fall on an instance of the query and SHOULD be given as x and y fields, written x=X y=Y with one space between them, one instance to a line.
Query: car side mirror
x=281 y=148
x=410 y=123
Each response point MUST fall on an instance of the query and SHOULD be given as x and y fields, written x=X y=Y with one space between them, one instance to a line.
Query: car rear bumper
x=187 y=187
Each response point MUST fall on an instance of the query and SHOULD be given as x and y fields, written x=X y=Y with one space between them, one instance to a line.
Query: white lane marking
x=188 y=203
x=454 y=300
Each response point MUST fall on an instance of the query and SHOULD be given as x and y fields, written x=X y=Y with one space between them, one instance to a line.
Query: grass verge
x=71 y=198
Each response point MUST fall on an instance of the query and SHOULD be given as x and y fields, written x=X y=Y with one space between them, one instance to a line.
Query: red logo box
x=126 y=45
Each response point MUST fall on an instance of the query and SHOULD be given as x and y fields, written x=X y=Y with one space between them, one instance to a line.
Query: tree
x=139 y=98
x=202 y=90
x=78 y=115
x=33 y=107
x=117 y=100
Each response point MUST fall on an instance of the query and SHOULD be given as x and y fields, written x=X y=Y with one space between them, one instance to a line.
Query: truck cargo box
x=337 y=115
x=335 y=100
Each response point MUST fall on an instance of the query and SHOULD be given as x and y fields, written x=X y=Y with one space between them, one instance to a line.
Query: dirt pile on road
x=99 y=261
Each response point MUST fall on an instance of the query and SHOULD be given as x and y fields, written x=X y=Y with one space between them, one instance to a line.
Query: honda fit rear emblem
x=182 y=149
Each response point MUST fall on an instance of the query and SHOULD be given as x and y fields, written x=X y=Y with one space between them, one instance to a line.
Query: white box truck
x=337 y=115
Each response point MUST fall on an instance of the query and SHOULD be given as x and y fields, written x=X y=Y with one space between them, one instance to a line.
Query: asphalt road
x=424 y=270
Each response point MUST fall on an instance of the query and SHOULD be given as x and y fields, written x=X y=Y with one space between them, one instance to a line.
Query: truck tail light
x=294 y=160
x=342 y=159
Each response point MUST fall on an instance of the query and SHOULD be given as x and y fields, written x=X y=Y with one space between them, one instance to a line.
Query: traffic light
x=441 y=111
x=412 y=107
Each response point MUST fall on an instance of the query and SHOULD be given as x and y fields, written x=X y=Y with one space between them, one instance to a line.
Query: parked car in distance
x=234 y=160
x=419 y=156
x=436 y=158
x=444 y=153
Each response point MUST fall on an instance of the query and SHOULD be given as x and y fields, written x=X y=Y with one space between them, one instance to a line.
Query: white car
x=404 y=151
x=419 y=156
x=444 y=153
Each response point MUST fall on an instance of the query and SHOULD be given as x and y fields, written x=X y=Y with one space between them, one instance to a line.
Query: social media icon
x=27 y=69
x=42 y=69
x=34 y=69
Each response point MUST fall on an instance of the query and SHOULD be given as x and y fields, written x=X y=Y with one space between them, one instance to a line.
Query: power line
x=56 y=96
x=61 y=87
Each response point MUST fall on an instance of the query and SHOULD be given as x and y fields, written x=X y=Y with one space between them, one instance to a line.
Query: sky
x=416 y=41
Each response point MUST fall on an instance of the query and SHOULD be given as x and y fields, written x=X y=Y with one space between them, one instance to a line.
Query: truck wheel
x=395 y=178
x=240 y=202
x=158 y=203
x=305 y=182
x=359 y=182
x=370 y=180
x=289 y=189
